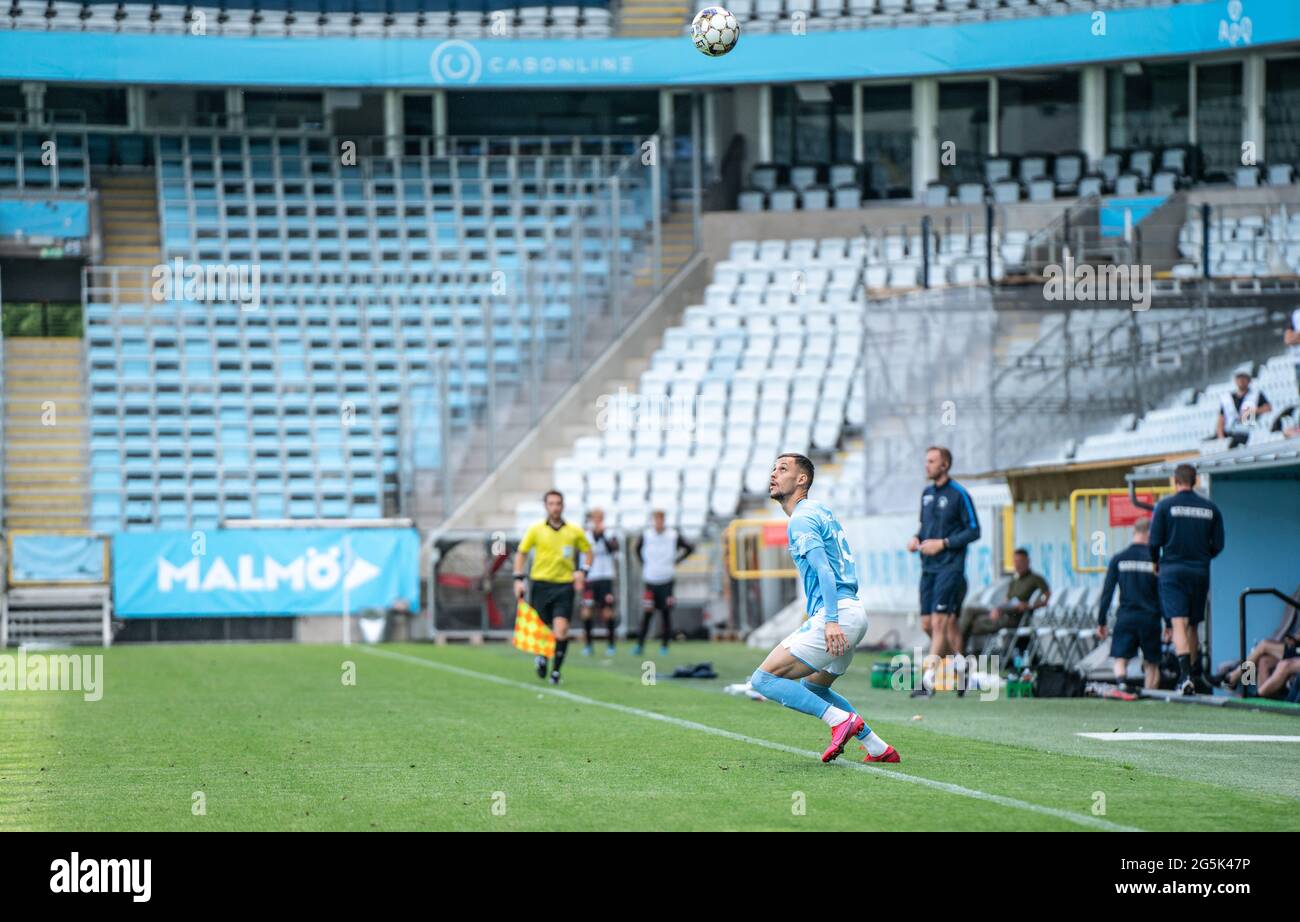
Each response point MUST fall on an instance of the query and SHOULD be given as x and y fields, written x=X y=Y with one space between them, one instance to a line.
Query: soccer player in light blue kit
x=799 y=670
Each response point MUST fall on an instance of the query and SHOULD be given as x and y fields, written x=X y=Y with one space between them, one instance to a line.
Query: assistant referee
x=555 y=574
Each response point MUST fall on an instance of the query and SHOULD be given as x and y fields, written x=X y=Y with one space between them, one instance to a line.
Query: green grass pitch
x=273 y=739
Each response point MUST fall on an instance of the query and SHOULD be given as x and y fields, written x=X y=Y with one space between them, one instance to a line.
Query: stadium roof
x=1248 y=458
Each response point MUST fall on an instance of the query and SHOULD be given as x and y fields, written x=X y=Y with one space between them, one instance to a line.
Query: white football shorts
x=807 y=643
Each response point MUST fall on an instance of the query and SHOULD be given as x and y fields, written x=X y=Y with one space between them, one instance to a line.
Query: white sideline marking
x=1079 y=818
x=1197 y=737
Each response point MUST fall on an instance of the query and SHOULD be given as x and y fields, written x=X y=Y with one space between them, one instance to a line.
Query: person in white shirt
x=1240 y=408
x=661 y=549
x=599 y=597
x=1292 y=339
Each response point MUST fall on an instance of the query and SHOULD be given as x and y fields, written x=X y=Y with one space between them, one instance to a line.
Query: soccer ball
x=714 y=31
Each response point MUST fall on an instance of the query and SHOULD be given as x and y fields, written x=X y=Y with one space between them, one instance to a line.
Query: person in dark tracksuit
x=1137 y=623
x=1186 y=534
x=948 y=525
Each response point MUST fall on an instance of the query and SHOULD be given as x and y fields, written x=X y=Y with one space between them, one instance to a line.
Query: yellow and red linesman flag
x=531 y=633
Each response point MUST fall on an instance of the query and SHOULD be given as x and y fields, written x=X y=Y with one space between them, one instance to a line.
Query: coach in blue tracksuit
x=948 y=525
x=1137 y=624
x=1186 y=534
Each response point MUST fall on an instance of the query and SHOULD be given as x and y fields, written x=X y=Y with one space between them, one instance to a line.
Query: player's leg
x=923 y=681
x=819 y=683
x=664 y=602
x=588 y=603
x=1174 y=599
x=1200 y=592
x=802 y=654
x=607 y=615
x=1124 y=646
x=1232 y=677
x=647 y=613
x=1264 y=670
x=1278 y=678
x=564 y=611
x=539 y=597
x=779 y=677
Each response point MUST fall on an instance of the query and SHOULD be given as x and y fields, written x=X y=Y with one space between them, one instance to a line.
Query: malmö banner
x=253 y=572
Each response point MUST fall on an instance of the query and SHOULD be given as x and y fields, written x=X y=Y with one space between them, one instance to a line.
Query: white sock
x=927 y=680
x=835 y=716
x=875 y=745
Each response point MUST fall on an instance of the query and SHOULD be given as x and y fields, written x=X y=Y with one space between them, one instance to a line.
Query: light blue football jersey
x=812 y=526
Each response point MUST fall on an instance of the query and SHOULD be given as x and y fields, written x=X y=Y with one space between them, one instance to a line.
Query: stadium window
x=887 y=140
x=812 y=123
x=1038 y=112
x=174 y=107
x=964 y=122
x=12 y=103
x=1282 y=110
x=417 y=115
x=284 y=110
x=1219 y=113
x=631 y=112
x=98 y=106
x=1147 y=105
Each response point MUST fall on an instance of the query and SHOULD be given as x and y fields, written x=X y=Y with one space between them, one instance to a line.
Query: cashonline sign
x=253 y=572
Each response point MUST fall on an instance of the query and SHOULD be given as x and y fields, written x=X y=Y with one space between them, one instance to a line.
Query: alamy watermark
x=629 y=412
x=1098 y=283
x=240 y=283
x=82 y=672
x=954 y=673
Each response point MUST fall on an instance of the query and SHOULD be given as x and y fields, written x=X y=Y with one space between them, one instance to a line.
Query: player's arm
x=585 y=555
x=640 y=548
x=1107 y=594
x=1218 y=426
x=684 y=549
x=821 y=565
x=836 y=643
x=521 y=562
x=1157 y=536
x=914 y=542
x=969 y=532
x=1217 y=537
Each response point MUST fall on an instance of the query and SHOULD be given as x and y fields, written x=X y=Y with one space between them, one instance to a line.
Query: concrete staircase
x=45 y=472
x=677 y=233
x=653 y=18
x=128 y=207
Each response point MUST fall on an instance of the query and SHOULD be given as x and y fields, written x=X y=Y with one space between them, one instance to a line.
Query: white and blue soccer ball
x=714 y=31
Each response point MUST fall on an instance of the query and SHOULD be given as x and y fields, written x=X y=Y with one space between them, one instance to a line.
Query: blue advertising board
x=249 y=572
x=1000 y=45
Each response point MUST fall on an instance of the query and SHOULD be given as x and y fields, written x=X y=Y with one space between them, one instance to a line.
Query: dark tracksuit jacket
x=1133 y=573
x=947 y=512
x=1186 y=533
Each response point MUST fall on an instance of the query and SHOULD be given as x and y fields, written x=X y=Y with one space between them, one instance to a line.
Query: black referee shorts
x=552 y=600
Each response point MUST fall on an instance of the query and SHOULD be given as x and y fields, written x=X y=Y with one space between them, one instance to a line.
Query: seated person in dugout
x=1028 y=591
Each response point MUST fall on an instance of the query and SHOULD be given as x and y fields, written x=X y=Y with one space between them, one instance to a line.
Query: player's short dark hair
x=943 y=453
x=802 y=463
x=1021 y=550
x=549 y=493
x=1185 y=475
